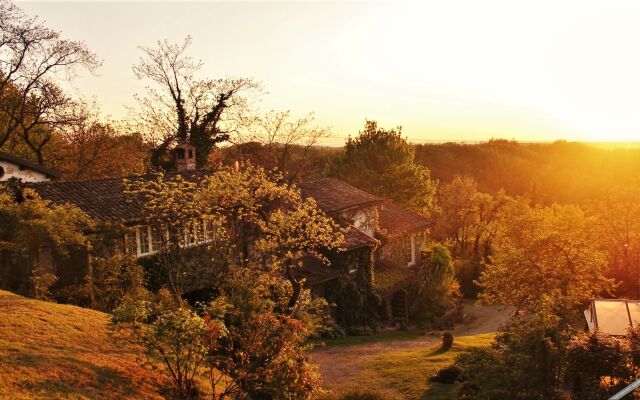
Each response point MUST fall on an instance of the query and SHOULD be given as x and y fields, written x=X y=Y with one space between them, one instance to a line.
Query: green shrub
x=440 y=293
x=359 y=331
x=593 y=359
x=41 y=283
x=112 y=280
x=330 y=330
x=525 y=362
x=467 y=273
x=448 y=374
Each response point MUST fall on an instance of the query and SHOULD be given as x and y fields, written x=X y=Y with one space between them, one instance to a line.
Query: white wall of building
x=12 y=170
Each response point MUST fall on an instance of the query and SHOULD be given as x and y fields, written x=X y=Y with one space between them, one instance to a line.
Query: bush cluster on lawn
x=440 y=293
x=448 y=375
x=540 y=357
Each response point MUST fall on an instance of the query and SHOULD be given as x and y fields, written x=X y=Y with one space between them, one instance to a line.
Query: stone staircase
x=399 y=307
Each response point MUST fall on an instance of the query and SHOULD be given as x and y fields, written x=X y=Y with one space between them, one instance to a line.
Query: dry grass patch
x=50 y=350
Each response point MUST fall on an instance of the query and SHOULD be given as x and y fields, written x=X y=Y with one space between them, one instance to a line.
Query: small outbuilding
x=25 y=170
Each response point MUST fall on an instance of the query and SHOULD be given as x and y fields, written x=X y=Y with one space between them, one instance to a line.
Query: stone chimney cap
x=185 y=157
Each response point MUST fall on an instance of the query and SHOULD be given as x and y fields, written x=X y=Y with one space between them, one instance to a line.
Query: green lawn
x=408 y=371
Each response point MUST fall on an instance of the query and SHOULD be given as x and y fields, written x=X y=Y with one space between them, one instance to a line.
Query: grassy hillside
x=50 y=350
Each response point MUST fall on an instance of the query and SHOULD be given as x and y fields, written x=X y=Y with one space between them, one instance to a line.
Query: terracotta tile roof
x=103 y=199
x=395 y=219
x=52 y=173
x=333 y=195
x=355 y=238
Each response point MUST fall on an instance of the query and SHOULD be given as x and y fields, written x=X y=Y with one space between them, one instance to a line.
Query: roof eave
x=49 y=172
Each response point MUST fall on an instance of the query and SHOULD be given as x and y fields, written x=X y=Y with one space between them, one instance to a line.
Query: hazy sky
x=444 y=70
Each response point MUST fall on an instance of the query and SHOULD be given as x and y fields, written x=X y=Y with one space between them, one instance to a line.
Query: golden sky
x=444 y=70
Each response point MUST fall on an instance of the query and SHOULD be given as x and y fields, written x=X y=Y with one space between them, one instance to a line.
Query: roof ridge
x=23 y=162
x=149 y=174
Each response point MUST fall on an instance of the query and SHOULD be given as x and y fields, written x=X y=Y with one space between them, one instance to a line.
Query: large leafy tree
x=179 y=107
x=90 y=147
x=255 y=220
x=618 y=215
x=381 y=161
x=545 y=254
x=250 y=339
x=468 y=219
x=33 y=60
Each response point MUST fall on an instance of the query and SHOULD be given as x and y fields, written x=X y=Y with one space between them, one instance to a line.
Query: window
x=173 y=236
x=188 y=234
x=411 y=251
x=209 y=230
x=130 y=242
x=612 y=316
x=354 y=267
x=157 y=238
x=190 y=153
x=144 y=240
x=1 y=172
x=143 y=235
x=198 y=229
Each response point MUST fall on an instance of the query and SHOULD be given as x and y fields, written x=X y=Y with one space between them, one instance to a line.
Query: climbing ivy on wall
x=356 y=303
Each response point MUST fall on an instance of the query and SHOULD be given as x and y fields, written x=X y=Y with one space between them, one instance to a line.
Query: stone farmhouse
x=378 y=272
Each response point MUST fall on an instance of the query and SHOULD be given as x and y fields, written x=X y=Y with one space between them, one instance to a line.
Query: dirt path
x=342 y=366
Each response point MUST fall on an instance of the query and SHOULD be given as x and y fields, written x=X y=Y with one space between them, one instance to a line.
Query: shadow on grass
x=83 y=379
x=439 y=351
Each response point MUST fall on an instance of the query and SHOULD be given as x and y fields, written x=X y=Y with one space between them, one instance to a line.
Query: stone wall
x=397 y=249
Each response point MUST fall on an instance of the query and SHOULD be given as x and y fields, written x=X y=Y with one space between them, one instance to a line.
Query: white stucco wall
x=27 y=175
x=365 y=219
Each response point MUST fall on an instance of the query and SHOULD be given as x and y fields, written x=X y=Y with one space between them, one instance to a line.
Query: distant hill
x=563 y=172
x=57 y=351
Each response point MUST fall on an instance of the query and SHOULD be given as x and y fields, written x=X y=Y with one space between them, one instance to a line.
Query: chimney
x=185 y=157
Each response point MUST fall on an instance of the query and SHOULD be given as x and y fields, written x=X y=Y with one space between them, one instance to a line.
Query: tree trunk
x=297 y=288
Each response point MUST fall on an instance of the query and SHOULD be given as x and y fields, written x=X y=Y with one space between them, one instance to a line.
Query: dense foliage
x=381 y=162
x=28 y=225
x=250 y=338
x=440 y=291
x=546 y=173
x=525 y=362
x=541 y=253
